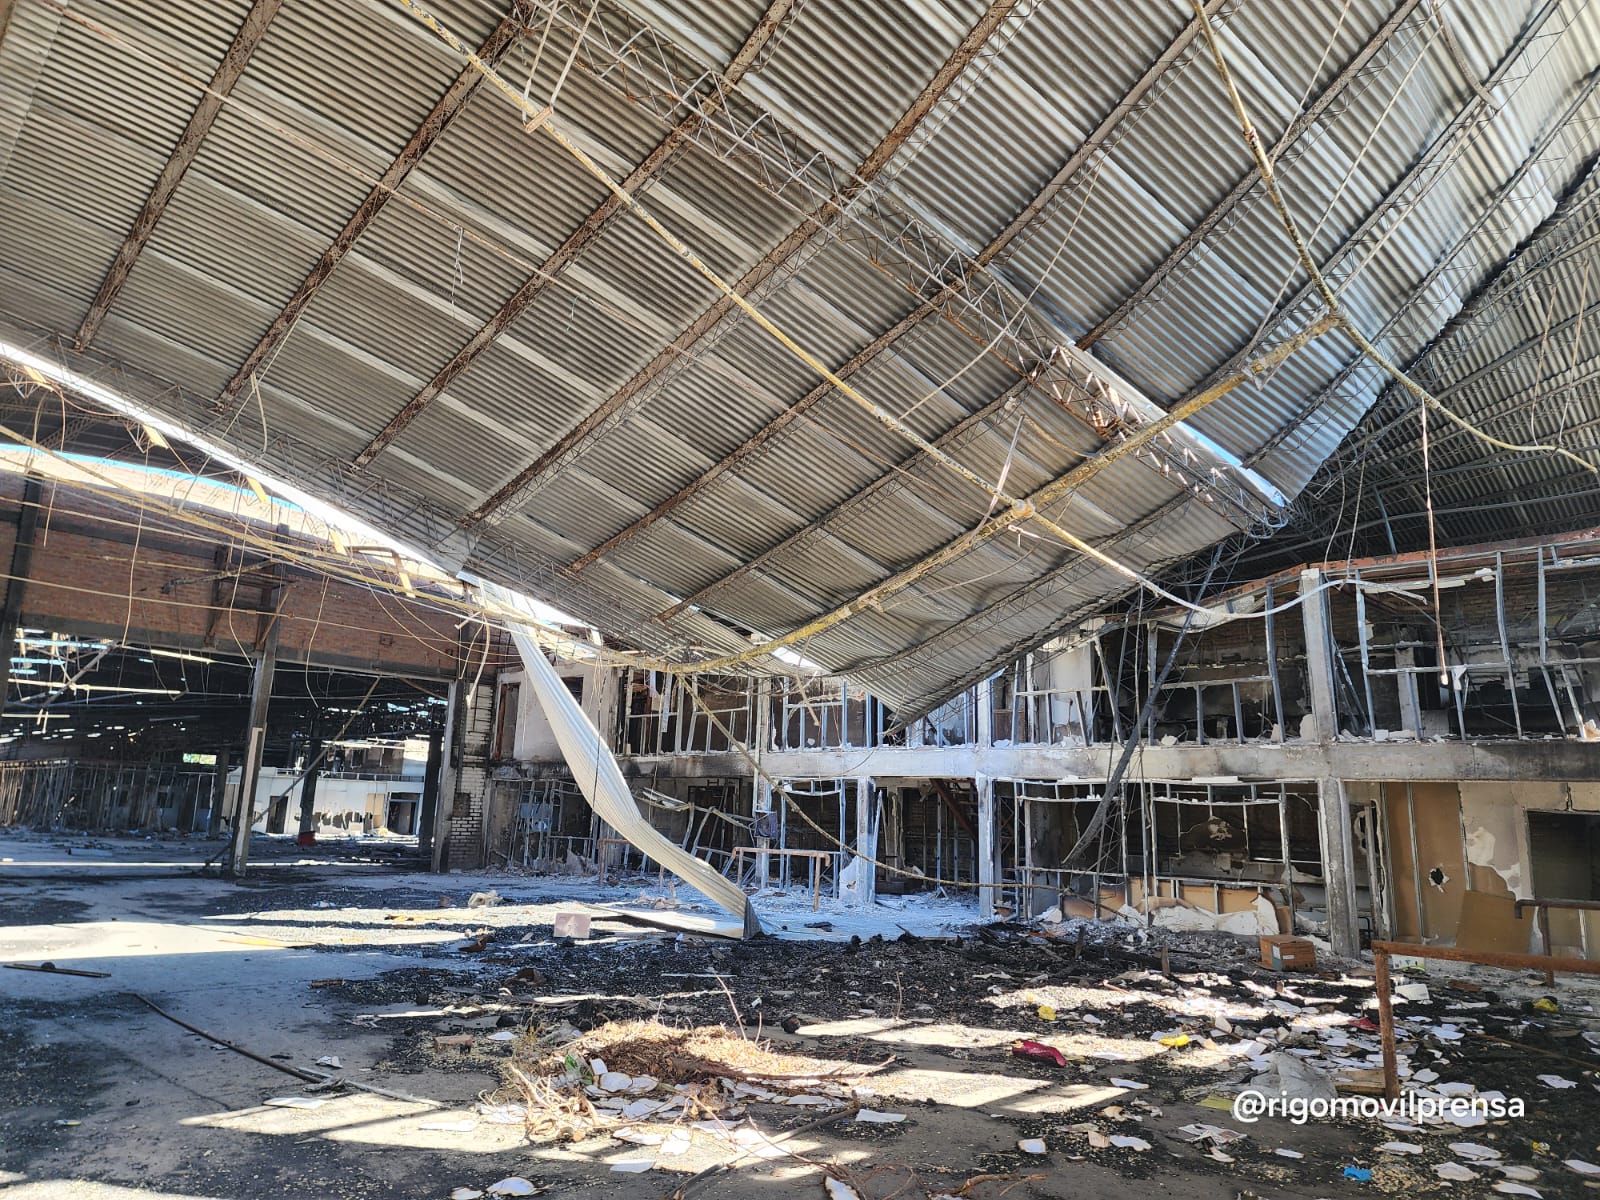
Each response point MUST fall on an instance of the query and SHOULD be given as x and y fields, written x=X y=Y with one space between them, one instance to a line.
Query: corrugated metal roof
x=332 y=94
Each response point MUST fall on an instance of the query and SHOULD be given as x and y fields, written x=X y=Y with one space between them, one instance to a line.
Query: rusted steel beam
x=228 y=71
x=7 y=7
x=1247 y=181
x=1066 y=175
x=564 y=255
x=500 y=40
x=773 y=261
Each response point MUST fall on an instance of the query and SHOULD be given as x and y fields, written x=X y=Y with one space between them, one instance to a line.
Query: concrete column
x=985 y=722
x=427 y=819
x=1410 y=701
x=987 y=875
x=1338 y=866
x=219 y=787
x=867 y=838
x=450 y=757
x=255 y=743
x=308 y=790
x=1319 y=656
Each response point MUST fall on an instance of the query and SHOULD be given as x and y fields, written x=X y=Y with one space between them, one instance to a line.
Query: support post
x=986 y=846
x=866 y=840
x=984 y=726
x=255 y=743
x=308 y=790
x=16 y=585
x=1338 y=866
x=1319 y=656
x=449 y=757
x=427 y=819
x=219 y=787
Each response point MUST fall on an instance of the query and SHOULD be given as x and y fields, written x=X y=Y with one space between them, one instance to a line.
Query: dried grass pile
x=629 y=1071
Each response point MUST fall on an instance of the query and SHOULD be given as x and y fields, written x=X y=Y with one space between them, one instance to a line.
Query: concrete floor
x=102 y=1098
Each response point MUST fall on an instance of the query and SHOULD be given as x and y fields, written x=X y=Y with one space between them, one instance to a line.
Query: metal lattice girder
x=1043 y=201
x=1543 y=32
x=867 y=219
x=251 y=31
x=1416 y=325
x=1383 y=48
x=499 y=42
x=779 y=13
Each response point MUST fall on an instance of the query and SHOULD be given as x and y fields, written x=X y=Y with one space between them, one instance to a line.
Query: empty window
x=1564 y=854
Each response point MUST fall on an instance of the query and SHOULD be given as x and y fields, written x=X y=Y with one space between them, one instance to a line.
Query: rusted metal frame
x=1063 y=177
x=1381 y=952
x=564 y=255
x=973 y=423
x=1169 y=270
x=245 y=41
x=1424 y=362
x=500 y=41
x=562 y=452
x=7 y=7
x=1438 y=158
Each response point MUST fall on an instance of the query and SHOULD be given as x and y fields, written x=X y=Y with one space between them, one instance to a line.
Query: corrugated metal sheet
x=333 y=93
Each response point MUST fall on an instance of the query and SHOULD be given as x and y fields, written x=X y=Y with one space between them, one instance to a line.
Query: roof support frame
x=1044 y=199
x=496 y=45
x=866 y=220
x=563 y=256
x=251 y=30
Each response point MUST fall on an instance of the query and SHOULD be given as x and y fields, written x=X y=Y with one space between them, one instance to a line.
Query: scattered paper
x=1400 y=1148
x=838 y=1190
x=1133 y=1085
x=633 y=1166
x=880 y=1118
x=330 y=1060
x=1515 y=1171
x=1517 y=1189
x=1454 y=1171
x=1125 y=1142
x=1283 y=1153
x=1581 y=1167
x=1556 y=1081
x=1472 y=1151
x=295 y=1102
x=465 y=1194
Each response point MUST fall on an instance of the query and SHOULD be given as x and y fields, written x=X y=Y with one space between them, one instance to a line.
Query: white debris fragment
x=295 y=1102
x=1417 y=992
x=1581 y=1167
x=633 y=1166
x=465 y=1193
x=638 y=1137
x=1400 y=1148
x=1133 y=1085
x=873 y=1117
x=1517 y=1189
x=614 y=1081
x=1125 y=1142
x=1282 y=1152
x=1555 y=1081
x=1517 y=1171
x=330 y=1060
x=839 y=1190
x=515 y=1185
x=1454 y=1171
x=449 y=1126
x=1474 y=1152
x=677 y=1143
x=1031 y=1146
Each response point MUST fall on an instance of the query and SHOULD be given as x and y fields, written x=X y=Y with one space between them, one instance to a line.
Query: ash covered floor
x=908 y=1009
